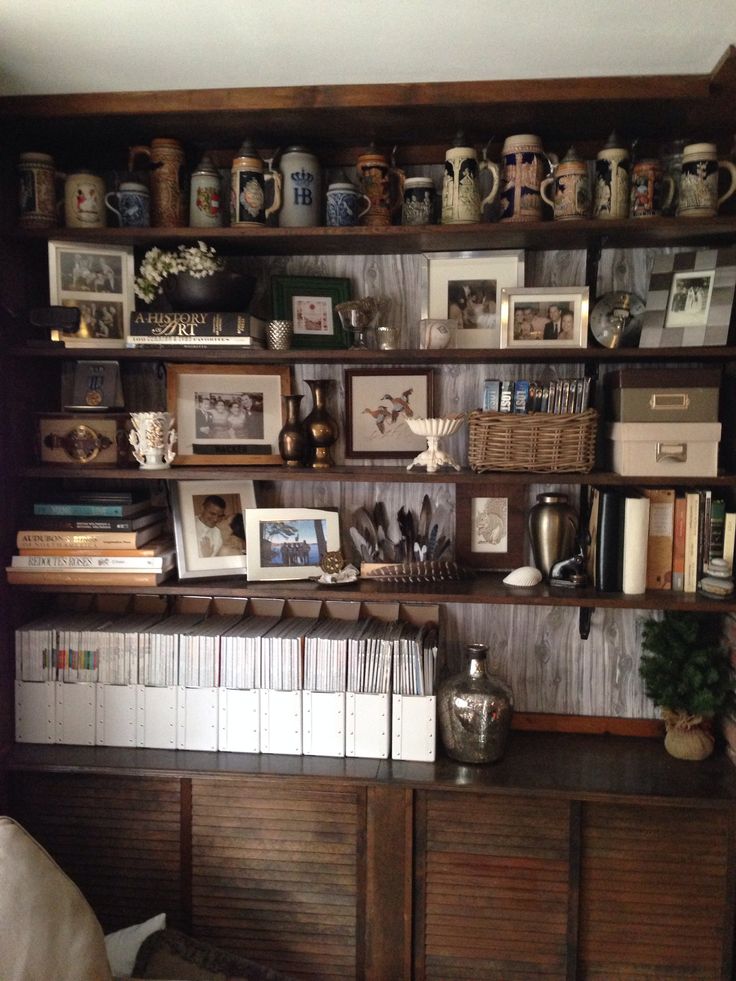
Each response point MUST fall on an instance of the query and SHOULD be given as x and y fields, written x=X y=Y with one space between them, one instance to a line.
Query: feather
x=425 y=519
x=364 y=549
x=419 y=572
x=432 y=541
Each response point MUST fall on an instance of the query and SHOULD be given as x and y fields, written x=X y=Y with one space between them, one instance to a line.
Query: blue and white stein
x=345 y=205
x=301 y=188
x=133 y=205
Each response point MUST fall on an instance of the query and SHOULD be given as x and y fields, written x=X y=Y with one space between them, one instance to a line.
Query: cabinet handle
x=669 y=400
x=676 y=452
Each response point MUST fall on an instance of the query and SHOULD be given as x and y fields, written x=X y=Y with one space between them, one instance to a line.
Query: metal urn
x=475 y=710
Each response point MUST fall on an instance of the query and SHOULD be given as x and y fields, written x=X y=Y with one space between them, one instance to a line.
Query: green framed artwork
x=309 y=303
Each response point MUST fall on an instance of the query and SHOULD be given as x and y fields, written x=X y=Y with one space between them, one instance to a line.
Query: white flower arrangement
x=198 y=260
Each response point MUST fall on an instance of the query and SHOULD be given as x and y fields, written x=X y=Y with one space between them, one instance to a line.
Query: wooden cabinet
x=570 y=859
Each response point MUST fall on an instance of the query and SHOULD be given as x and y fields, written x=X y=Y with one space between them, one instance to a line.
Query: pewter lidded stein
x=475 y=711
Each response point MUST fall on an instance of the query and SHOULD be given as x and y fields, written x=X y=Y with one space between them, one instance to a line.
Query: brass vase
x=320 y=427
x=293 y=440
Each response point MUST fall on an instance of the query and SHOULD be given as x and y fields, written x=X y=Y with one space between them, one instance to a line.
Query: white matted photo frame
x=227 y=414
x=466 y=287
x=378 y=402
x=550 y=316
x=98 y=281
x=690 y=299
x=490 y=526
x=288 y=543
x=309 y=303
x=209 y=526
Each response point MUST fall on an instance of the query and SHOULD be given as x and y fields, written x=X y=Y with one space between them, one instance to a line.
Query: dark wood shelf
x=485 y=589
x=559 y=765
x=537 y=235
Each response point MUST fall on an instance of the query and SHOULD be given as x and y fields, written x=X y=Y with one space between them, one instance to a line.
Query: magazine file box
x=76 y=706
x=116 y=715
x=239 y=720
x=35 y=711
x=367 y=725
x=281 y=721
x=196 y=718
x=413 y=726
x=156 y=727
x=323 y=723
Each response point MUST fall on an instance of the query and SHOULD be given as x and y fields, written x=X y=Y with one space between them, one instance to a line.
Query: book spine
x=49 y=522
x=69 y=577
x=93 y=540
x=89 y=563
x=491 y=395
x=706 y=501
x=717 y=528
x=692 y=521
x=636 y=529
x=609 y=543
x=185 y=326
x=156 y=341
x=678 y=544
x=729 y=537
x=659 y=542
x=81 y=510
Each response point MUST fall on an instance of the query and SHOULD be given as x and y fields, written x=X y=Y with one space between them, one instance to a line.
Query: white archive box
x=157 y=716
x=117 y=714
x=196 y=718
x=281 y=721
x=675 y=449
x=367 y=725
x=76 y=710
x=413 y=727
x=35 y=711
x=323 y=723
x=239 y=720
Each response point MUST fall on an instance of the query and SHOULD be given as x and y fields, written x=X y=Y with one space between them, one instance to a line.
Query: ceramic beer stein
x=84 y=200
x=37 y=191
x=205 y=195
x=345 y=205
x=167 y=163
x=524 y=165
x=248 y=179
x=611 y=193
x=461 y=201
x=419 y=201
x=567 y=192
x=133 y=205
x=382 y=184
x=651 y=189
x=301 y=188
x=699 y=181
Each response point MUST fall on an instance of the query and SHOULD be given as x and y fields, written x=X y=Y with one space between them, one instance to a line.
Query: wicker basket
x=535 y=442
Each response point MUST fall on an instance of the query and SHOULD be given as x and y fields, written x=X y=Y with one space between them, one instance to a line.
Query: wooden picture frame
x=690 y=299
x=466 y=287
x=189 y=501
x=317 y=531
x=309 y=303
x=527 y=319
x=375 y=424
x=204 y=398
x=98 y=281
x=490 y=526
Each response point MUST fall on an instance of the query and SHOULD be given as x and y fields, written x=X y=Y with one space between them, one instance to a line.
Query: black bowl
x=222 y=291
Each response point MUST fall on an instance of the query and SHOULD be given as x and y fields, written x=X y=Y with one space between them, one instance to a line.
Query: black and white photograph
x=209 y=526
x=91 y=272
x=689 y=299
x=544 y=316
x=221 y=415
x=288 y=543
x=99 y=321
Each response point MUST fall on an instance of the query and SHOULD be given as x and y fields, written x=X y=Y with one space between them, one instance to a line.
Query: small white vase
x=153 y=438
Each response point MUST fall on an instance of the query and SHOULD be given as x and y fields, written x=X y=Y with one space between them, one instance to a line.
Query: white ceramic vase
x=153 y=438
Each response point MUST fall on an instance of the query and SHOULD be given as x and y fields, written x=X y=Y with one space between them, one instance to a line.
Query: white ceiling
x=54 y=46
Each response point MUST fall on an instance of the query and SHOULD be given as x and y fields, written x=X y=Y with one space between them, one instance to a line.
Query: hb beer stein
x=248 y=188
x=167 y=162
x=301 y=188
x=461 y=201
x=524 y=165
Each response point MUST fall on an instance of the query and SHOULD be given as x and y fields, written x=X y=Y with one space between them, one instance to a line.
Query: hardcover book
x=149 y=327
x=30 y=538
x=51 y=522
x=71 y=577
x=660 y=537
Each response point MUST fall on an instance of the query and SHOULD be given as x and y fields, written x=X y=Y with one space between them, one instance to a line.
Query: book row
x=558 y=397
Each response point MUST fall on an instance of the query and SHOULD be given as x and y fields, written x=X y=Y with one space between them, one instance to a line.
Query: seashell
x=525 y=575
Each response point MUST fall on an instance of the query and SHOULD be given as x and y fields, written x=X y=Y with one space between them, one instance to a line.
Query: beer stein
x=301 y=186
x=248 y=188
x=166 y=163
x=345 y=205
x=205 y=195
x=133 y=205
x=699 y=181
x=611 y=194
x=569 y=187
x=524 y=165
x=37 y=191
x=461 y=201
x=382 y=184
x=418 y=204
x=84 y=200
x=651 y=189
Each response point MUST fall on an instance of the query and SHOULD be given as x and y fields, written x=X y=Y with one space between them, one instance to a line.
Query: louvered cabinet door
x=117 y=838
x=656 y=893
x=275 y=873
x=493 y=887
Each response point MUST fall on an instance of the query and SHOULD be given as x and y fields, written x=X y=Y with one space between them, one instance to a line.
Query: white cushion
x=122 y=945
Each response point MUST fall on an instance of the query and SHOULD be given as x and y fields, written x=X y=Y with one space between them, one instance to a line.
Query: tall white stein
x=301 y=188
x=205 y=196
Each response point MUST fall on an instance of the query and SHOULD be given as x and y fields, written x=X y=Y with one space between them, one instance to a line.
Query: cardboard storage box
x=664 y=395
x=643 y=449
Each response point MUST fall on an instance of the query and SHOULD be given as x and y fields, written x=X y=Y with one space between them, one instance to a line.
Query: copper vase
x=293 y=439
x=320 y=427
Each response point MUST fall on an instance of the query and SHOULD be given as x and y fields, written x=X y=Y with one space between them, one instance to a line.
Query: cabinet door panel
x=493 y=887
x=275 y=873
x=116 y=838
x=654 y=892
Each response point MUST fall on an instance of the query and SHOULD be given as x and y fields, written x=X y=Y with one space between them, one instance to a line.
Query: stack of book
x=558 y=397
x=657 y=538
x=93 y=539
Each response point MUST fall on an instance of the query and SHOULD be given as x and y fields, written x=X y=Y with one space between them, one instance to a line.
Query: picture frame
x=227 y=414
x=690 y=299
x=288 y=543
x=205 y=513
x=98 y=281
x=490 y=526
x=375 y=425
x=466 y=287
x=528 y=318
x=309 y=303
